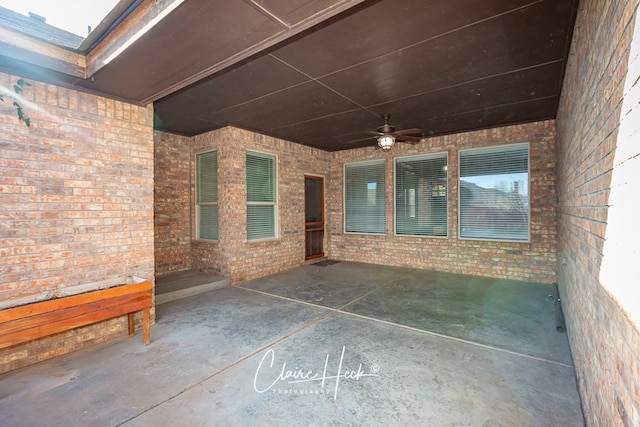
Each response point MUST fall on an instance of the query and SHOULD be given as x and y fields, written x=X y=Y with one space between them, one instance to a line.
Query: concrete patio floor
x=347 y=344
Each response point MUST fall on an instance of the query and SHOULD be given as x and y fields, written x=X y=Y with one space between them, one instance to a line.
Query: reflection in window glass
x=494 y=193
x=371 y=192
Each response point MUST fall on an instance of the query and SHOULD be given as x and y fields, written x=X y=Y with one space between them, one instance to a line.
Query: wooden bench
x=40 y=319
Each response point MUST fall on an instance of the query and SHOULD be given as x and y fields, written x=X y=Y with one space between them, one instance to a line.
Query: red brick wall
x=214 y=256
x=595 y=144
x=172 y=159
x=232 y=255
x=533 y=261
x=76 y=197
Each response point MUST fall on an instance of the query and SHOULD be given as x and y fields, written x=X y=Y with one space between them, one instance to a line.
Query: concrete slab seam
x=341 y=311
x=424 y=331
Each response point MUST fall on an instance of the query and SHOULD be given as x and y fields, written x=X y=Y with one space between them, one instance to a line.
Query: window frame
x=427 y=156
x=276 y=233
x=497 y=148
x=344 y=196
x=199 y=204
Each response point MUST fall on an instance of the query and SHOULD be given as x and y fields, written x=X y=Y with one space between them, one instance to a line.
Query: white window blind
x=261 y=196
x=207 y=195
x=364 y=198
x=494 y=193
x=421 y=195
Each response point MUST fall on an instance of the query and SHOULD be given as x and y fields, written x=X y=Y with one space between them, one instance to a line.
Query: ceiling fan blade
x=408 y=138
x=368 y=138
x=412 y=132
x=412 y=135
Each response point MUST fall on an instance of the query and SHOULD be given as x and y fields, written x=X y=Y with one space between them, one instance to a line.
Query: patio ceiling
x=322 y=72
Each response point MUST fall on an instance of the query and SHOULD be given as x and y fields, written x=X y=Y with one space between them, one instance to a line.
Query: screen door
x=314 y=216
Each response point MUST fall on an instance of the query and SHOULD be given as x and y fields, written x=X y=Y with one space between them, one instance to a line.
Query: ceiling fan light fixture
x=386 y=141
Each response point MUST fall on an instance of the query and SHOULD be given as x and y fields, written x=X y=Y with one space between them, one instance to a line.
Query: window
x=261 y=196
x=207 y=195
x=364 y=199
x=421 y=195
x=494 y=193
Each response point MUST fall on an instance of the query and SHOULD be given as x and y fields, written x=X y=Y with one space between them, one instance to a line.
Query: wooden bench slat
x=70 y=301
x=24 y=330
x=70 y=313
x=26 y=323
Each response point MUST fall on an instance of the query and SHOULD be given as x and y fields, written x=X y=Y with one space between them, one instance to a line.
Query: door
x=313 y=216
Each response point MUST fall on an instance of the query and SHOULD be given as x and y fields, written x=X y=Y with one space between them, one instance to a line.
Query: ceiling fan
x=387 y=134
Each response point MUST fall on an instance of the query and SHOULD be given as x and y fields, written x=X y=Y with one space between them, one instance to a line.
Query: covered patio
x=252 y=138
x=346 y=344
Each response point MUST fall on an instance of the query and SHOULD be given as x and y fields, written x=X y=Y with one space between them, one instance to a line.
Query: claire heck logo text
x=272 y=377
